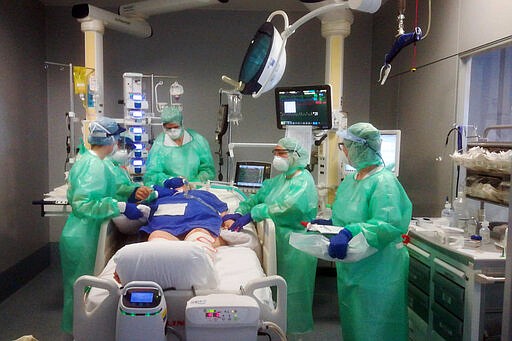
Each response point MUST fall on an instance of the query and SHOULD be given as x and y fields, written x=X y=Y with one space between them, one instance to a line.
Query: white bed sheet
x=235 y=266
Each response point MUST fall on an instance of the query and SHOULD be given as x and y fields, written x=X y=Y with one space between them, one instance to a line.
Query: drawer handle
x=446 y=328
x=446 y=298
x=418 y=250
x=450 y=268
x=483 y=279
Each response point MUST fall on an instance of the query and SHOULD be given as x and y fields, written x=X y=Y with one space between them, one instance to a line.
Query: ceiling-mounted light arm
x=85 y=12
x=148 y=8
x=311 y=15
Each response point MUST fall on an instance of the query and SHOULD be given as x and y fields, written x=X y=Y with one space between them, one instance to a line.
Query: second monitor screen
x=304 y=106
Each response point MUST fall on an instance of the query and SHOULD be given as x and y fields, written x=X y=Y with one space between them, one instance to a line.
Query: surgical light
x=265 y=59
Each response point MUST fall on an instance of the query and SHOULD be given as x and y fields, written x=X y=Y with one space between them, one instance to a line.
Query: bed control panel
x=229 y=316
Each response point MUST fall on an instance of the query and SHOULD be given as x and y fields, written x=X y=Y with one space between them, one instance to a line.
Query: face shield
x=363 y=142
x=104 y=131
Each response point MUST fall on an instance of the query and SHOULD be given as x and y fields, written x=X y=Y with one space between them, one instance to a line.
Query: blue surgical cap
x=104 y=131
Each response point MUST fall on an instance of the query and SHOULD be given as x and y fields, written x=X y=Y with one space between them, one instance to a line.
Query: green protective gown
x=192 y=160
x=372 y=292
x=124 y=183
x=92 y=187
x=288 y=201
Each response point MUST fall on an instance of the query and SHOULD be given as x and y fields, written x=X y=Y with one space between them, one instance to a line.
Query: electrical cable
x=68 y=141
x=429 y=19
x=273 y=326
x=458 y=129
x=174 y=332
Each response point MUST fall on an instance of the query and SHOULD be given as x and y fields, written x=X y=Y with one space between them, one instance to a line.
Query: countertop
x=472 y=252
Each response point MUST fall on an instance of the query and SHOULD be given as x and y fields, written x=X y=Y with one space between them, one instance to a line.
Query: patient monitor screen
x=304 y=106
x=251 y=174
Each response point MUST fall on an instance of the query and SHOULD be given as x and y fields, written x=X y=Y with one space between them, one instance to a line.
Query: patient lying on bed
x=186 y=214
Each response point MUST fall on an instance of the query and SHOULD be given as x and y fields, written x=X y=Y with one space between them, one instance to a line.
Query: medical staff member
x=91 y=191
x=127 y=189
x=372 y=292
x=178 y=152
x=288 y=199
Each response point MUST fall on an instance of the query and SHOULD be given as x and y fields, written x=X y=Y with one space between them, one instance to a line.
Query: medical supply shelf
x=485 y=172
x=454 y=294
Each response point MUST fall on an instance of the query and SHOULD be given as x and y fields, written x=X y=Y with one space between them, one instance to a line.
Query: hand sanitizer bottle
x=461 y=211
x=447 y=214
x=485 y=232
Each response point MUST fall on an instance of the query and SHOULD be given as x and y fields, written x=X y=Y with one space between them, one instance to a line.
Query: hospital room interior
x=434 y=77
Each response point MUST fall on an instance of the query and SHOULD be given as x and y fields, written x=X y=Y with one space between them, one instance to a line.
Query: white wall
x=23 y=130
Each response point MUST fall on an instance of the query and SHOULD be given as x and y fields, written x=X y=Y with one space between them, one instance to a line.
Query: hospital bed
x=247 y=267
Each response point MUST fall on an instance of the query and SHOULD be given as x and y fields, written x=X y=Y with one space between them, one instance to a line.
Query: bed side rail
x=107 y=245
x=278 y=313
x=98 y=323
x=267 y=236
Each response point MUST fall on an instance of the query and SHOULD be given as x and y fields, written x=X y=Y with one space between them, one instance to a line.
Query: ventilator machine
x=142 y=312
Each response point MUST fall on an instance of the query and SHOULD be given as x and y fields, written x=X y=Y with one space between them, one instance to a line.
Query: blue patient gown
x=182 y=212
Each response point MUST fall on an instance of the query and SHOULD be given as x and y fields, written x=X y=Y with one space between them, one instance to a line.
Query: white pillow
x=171 y=264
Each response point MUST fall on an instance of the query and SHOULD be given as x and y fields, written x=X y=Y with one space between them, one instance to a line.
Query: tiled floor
x=35 y=309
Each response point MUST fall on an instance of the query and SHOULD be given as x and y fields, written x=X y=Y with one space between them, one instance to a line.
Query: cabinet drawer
x=449 y=294
x=447 y=325
x=418 y=302
x=418 y=329
x=419 y=275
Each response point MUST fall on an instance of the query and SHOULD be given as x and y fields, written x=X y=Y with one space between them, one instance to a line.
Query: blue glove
x=176 y=182
x=163 y=192
x=339 y=244
x=234 y=216
x=241 y=222
x=322 y=221
x=132 y=212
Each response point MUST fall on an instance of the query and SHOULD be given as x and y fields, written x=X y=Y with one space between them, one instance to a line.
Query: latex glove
x=142 y=192
x=233 y=216
x=339 y=244
x=129 y=210
x=321 y=221
x=162 y=191
x=203 y=176
x=146 y=210
x=241 y=222
x=174 y=183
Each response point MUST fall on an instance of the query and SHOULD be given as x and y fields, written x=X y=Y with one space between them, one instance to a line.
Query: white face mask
x=281 y=164
x=115 y=148
x=344 y=158
x=121 y=156
x=174 y=133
